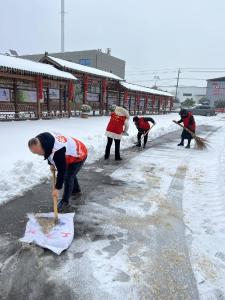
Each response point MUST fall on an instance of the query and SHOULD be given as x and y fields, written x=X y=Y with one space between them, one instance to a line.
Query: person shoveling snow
x=143 y=127
x=65 y=154
x=52 y=231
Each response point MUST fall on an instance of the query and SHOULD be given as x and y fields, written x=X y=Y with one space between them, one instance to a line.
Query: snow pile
x=21 y=170
x=204 y=208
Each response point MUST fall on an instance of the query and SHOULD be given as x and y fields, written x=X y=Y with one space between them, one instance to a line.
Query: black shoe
x=181 y=144
x=106 y=157
x=138 y=145
x=144 y=146
x=63 y=206
x=118 y=158
x=77 y=194
x=188 y=147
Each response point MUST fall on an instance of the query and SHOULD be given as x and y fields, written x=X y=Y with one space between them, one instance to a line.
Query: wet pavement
x=121 y=249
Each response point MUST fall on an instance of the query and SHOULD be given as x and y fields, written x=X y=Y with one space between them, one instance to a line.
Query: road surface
x=129 y=233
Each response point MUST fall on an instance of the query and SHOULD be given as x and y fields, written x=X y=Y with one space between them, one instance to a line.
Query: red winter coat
x=189 y=122
x=116 y=124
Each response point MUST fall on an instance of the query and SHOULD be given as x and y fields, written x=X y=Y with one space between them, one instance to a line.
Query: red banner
x=40 y=88
x=138 y=99
x=125 y=97
x=71 y=91
x=153 y=103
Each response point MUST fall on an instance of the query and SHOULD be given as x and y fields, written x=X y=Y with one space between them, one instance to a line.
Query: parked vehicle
x=203 y=110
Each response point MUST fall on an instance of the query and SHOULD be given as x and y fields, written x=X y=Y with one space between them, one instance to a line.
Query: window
x=187 y=95
x=85 y=62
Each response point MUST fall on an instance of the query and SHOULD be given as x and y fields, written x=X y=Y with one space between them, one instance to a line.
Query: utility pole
x=178 y=77
x=62 y=25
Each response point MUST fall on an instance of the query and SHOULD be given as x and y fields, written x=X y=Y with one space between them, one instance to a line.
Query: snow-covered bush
x=85 y=108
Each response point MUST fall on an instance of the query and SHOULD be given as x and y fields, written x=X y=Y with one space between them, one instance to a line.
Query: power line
x=188 y=70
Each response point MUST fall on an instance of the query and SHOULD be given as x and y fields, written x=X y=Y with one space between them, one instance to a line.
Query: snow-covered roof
x=85 y=69
x=135 y=87
x=25 y=65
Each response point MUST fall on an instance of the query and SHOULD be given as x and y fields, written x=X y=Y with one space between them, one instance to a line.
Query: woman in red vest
x=189 y=122
x=117 y=126
x=143 y=128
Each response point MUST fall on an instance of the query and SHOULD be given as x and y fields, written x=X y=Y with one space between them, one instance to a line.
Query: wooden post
x=70 y=97
x=64 y=98
x=159 y=102
x=48 y=100
x=125 y=98
x=107 y=102
x=171 y=103
x=146 y=104
x=60 y=99
x=153 y=103
x=103 y=96
x=15 y=94
x=129 y=103
x=85 y=88
x=135 y=103
x=119 y=102
x=39 y=95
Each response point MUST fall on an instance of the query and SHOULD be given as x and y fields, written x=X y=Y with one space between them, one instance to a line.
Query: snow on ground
x=203 y=203
x=20 y=169
x=204 y=208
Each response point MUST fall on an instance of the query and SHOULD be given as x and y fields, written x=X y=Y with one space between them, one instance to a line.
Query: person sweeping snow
x=65 y=154
x=189 y=122
x=143 y=128
x=117 y=126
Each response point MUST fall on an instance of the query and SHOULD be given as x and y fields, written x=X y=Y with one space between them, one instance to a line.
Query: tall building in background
x=91 y=58
x=216 y=90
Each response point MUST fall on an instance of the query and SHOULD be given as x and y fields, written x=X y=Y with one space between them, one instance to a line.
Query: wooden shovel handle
x=148 y=131
x=55 y=200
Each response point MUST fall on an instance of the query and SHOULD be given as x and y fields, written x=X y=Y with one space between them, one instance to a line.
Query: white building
x=190 y=92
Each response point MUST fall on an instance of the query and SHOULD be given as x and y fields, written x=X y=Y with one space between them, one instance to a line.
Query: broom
x=200 y=143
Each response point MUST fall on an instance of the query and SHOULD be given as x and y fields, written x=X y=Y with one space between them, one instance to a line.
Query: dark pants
x=108 y=147
x=71 y=184
x=140 y=132
x=186 y=136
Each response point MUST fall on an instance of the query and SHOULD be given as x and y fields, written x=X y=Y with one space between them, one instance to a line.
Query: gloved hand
x=52 y=168
x=125 y=133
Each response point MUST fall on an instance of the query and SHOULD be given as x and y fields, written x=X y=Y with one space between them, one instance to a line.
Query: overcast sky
x=149 y=35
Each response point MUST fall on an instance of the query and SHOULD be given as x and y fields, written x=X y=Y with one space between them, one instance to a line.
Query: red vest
x=142 y=124
x=75 y=149
x=116 y=123
x=186 y=122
